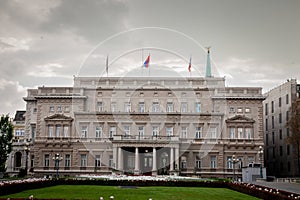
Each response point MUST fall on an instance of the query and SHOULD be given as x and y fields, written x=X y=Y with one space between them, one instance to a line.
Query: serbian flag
x=147 y=61
x=190 y=64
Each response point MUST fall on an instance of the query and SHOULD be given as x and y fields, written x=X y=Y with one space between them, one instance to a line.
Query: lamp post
x=234 y=160
x=27 y=149
x=57 y=158
x=260 y=153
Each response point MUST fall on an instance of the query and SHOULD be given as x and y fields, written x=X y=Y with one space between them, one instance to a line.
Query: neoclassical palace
x=144 y=125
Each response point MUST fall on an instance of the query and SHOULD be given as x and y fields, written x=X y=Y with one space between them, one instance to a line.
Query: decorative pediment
x=58 y=117
x=239 y=119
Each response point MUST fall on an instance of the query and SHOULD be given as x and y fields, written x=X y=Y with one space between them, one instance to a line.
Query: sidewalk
x=289 y=187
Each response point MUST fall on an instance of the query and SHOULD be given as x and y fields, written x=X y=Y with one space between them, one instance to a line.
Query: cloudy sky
x=254 y=42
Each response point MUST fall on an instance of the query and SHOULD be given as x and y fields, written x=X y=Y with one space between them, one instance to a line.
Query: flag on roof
x=190 y=64
x=147 y=61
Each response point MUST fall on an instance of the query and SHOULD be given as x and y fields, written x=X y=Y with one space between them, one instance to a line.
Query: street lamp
x=234 y=160
x=26 y=149
x=57 y=158
x=260 y=153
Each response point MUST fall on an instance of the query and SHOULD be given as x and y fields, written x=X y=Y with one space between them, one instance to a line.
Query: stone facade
x=145 y=125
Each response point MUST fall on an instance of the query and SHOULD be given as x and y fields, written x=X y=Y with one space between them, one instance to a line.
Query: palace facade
x=144 y=125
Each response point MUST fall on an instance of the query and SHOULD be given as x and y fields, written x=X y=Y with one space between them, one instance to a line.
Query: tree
x=6 y=135
x=294 y=126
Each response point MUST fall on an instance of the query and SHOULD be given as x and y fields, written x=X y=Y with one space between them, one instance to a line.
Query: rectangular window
x=213 y=162
x=169 y=107
x=169 y=131
x=280 y=151
x=280 y=118
x=273 y=123
x=50 y=131
x=213 y=133
x=229 y=162
x=84 y=130
x=141 y=107
x=280 y=134
x=287 y=98
x=183 y=132
x=248 y=133
x=287 y=116
x=155 y=107
x=59 y=109
x=272 y=106
x=247 y=110
x=111 y=161
x=183 y=107
x=240 y=133
x=155 y=131
x=197 y=107
x=83 y=160
x=240 y=110
x=127 y=107
x=47 y=160
x=66 y=131
x=22 y=132
x=273 y=137
x=266 y=125
x=266 y=109
x=100 y=106
x=58 y=130
x=51 y=109
x=67 y=160
x=274 y=152
x=288 y=149
x=113 y=107
x=231 y=109
x=267 y=139
x=232 y=133
x=97 y=161
x=279 y=102
x=98 y=131
x=198 y=132
x=112 y=131
x=141 y=131
x=198 y=164
x=126 y=130
x=250 y=159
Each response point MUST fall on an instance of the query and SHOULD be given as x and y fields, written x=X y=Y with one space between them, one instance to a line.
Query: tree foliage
x=6 y=135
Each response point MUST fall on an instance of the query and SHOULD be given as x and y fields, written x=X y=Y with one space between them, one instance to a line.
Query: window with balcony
x=240 y=133
x=155 y=131
x=169 y=131
x=232 y=133
x=198 y=132
x=141 y=131
x=50 y=131
x=155 y=107
x=126 y=130
x=248 y=133
x=98 y=132
x=112 y=131
x=84 y=130
x=58 y=131
x=184 y=132
x=66 y=131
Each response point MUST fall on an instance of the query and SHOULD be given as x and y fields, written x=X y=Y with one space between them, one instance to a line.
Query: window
x=247 y=110
x=111 y=161
x=66 y=131
x=59 y=109
x=279 y=102
x=50 y=131
x=198 y=132
x=232 y=133
x=250 y=159
x=267 y=139
x=155 y=131
x=169 y=131
x=127 y=107
x=280 y=134
x=34 y=110
x=266 y=109
x=231 y=109
x=97 y=161
x=141 y=107
x=22 y=132
x=240 y=110
x=155 y=106
x=280 y=150
x=213 y=162
x=84 y=130
x=248 y=133
x=272 y=106
x=67 y=160
x=229 y=162
x=280 y=118
x=213 y=133
x=83 y=160
x=113 y=107
x=198 y=164
x=126 y=130
x=51 y=109
x=47 y=160
x=240 y=133
x=98 y=131
x=273 y=152
x=169 y=107
x=287 y=99
x=100 y=106
x=17 y=132
x=287 y=132
x=197 y=107
x=266 y=125
x=183 y=107
x=273 y=122
x=273 y=137
x=112 y=131
x=141 y=131
x=287 y=116
x=67 y=109
x=288 y=149
x=183 y=132
x=57 y=131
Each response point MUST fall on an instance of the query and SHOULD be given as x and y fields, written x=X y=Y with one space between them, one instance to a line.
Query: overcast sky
x=254 y=42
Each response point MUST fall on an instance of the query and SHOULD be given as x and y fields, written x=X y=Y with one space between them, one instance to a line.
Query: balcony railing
x=145 y=138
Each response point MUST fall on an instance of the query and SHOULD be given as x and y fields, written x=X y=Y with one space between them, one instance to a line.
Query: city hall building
x=144 y=126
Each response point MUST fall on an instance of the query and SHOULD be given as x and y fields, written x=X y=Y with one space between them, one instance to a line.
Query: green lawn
x=140 y=193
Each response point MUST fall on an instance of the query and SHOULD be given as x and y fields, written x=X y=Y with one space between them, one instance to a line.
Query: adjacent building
x=144 y=125
x=280 y=157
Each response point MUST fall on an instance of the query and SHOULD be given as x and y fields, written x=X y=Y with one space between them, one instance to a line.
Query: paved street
x=289 y=187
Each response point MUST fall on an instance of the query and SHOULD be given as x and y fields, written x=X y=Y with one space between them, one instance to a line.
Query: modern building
x=145 y=125
x=280 y=157
x=18 y=158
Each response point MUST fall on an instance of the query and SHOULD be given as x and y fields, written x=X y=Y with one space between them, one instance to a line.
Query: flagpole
x=142 y=62
x=106 y=67
x=149 y=67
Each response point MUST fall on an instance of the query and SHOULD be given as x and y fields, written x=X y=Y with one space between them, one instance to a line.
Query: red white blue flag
x=147 y=61
x=190 y=64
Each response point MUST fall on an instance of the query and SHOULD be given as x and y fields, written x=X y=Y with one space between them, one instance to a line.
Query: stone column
x=177 y=158
x=115 y=157
x=136 y=163
x=171 y=159
x=120 y=167
x=154 y=168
